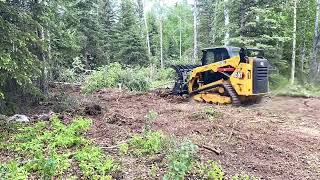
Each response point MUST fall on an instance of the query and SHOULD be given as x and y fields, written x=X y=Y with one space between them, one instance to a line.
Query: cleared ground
x=276 y=139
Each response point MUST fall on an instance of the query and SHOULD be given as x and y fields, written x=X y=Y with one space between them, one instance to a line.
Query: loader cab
x=213 y=55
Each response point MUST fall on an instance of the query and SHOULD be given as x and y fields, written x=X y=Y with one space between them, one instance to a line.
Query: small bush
x=93 y=163
x=123 y=149
x=136 y=79
x=107 y=76
x=13 y=170
x=277 y=81
x=210 y=170
x=148 y=143
x=180 y=161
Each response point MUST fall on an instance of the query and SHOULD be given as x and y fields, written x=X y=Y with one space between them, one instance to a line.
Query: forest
x=98 y=72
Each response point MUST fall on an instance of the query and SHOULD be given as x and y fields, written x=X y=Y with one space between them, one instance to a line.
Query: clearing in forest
x=276 y=139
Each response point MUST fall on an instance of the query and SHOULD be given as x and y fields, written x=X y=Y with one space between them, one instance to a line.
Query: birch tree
x=314 y=64
x=294 y=42
x=195 y=33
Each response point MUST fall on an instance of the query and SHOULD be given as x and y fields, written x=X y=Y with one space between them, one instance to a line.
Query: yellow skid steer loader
x=227 y=75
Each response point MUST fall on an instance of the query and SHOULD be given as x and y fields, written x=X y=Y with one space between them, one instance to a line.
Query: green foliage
x=107 y=76
x=93 y=163
x=298 y=90
x=210 y=170
x=148 y=143
x=13 y=170
x=136 y=79
x=123 y=149
x=133 y=79
x=114 y=75
x=18 y=62
x=278 y=81
x=48 y=146
x=180 y=161
x=154 y=170
x=130 y=45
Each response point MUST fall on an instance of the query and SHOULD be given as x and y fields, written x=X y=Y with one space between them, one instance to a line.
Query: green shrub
x=148 y=143
x=123 y=149
x=277 y=81
x=107 y=76
x=93 y=163
x=210 y=170
x=180 y=161
x=136 y=79
x=13 y=170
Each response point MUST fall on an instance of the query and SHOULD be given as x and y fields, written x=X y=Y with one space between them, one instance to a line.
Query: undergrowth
x=180 y=161
x=148 y=143
x=280 y=85
x=48 y=150
x=134 y=79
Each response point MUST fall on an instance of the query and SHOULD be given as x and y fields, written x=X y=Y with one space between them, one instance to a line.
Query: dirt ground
x=276 y=139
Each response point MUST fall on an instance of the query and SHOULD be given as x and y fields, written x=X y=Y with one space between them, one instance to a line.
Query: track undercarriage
x=221 y=92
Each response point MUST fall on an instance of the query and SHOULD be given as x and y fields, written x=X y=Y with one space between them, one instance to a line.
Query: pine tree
x=108 y=20
x=131 y=47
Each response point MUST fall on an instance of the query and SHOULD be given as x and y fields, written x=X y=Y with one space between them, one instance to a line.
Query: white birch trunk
x=294 y=42
x=226 y=23
x=195 y=42
x=146 y=29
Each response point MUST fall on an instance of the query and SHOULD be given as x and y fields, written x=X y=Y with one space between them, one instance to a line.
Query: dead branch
x=115 y=146
x=217 y=151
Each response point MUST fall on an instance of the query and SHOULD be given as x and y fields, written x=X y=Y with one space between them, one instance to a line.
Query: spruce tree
x=131 y=47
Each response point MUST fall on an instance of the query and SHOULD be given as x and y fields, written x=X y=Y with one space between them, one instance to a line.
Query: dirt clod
x=93 y=110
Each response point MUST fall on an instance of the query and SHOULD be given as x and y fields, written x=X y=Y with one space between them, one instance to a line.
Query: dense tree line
x=41 y=39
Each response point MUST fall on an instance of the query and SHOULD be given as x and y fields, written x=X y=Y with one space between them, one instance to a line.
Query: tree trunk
x=314 y=64
x=195 y=42
x=161 y=43
x=180 y=37
x=146 y=28
x=44 y=80
x=293 y=62
x=214 y=25
x=226 y=23
x=303 y=48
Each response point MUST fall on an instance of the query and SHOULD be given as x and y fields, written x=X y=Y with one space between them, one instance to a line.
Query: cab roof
x=222 y=47
x=229 y=48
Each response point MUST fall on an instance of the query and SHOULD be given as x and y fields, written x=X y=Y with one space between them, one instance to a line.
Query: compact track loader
x=227 y=75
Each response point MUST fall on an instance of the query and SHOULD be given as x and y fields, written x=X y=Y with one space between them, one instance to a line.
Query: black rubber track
x=232 y=93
